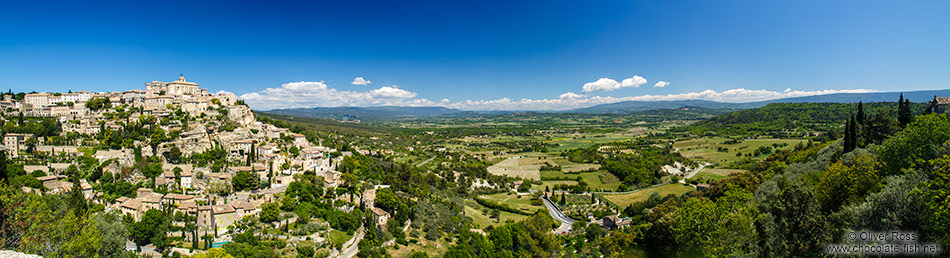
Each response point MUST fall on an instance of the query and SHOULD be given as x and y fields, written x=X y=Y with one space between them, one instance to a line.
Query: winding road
x=555 y=212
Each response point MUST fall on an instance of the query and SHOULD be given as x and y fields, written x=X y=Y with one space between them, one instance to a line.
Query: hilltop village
x=173 y=147
x=174 y=170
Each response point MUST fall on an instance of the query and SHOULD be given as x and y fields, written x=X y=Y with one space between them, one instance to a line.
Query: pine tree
x=861 y=117
x=903 y=111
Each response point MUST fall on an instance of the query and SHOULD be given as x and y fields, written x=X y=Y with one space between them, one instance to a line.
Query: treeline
x=782 y=120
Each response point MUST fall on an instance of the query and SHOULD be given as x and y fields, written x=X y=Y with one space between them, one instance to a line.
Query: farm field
x=513 y=201
x=568 y=142
x=600 y=179
x=474 y=211
x=512 y=167
x=624 y=200
x=718 y=173
x=706 y=149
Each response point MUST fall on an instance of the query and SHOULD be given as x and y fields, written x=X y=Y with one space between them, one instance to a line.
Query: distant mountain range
x=366 y=113
x=397 y=112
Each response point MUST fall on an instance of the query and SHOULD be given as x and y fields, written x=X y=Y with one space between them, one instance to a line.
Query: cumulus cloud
x=602 y=84
x=661 y=84
x=319 y=94
x=607 y=84
x=392 y=92
x=571 y=95
x=633 y=82
x=361 y=81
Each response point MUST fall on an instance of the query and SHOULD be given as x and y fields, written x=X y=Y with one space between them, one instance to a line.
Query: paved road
x=424 y=162
x=555 y=212
x=351 y=251
x=693 y=173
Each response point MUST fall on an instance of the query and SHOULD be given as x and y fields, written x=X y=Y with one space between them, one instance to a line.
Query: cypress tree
x=854 y=133
x=3 y=166
x=847 y=136
x=861 y=117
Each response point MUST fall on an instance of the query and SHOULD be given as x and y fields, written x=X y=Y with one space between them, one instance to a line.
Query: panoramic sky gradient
x=479 y=55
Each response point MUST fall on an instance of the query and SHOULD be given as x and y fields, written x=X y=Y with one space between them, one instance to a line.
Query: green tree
x=861 y=116
x=270 y=213
x=919 y=141
x=846 y=184
x=245 y=180
x=937 y=200
x=113 y=235
x=724 y=228
x=904 y=115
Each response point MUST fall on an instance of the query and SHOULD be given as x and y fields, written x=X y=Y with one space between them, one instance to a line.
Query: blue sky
x=479 y=54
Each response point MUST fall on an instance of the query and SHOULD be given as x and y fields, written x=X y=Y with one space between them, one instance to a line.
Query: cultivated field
x=597 y=180
x=512 y=167
x=624 y=200
x=521 y=202
x=475 y=211
x=706 y=149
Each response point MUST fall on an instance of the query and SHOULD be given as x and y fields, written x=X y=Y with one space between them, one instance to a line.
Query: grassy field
x=339 y=237
x=718 y=173
x=624 y=200
x=705 y=149
x=600 y=179
x=474 y=211
x=431 y=247
x=513 y=200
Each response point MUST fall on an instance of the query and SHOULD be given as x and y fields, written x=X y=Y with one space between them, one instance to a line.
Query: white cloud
x=319 y=94
x=634 y=82
x=565 y=103
x=661 y=84
x=607 y=84
x=392 y=92
x=602 y=84
x=361 y=81
x=571 y=95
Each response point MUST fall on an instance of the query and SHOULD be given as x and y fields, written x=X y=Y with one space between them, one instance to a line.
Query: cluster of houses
x=274 y=154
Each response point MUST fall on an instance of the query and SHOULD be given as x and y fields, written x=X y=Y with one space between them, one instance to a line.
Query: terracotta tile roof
x=221 y=209
x=380 y=212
